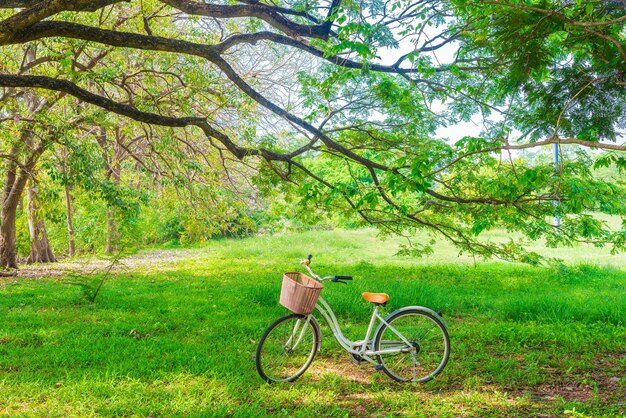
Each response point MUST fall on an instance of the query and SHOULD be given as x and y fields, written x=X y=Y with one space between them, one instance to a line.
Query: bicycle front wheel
x=287 y=348
x=415 y=346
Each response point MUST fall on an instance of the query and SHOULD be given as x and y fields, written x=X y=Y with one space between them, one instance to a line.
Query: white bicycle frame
x=363 y=348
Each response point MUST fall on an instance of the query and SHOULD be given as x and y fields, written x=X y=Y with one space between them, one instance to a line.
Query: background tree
x=360 y=131
x=34 y=117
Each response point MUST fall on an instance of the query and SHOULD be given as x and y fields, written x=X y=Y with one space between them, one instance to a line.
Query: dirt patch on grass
x=164 y=260
x=569 y=392
x=341 y=367
x=361 y=404
x=605 y=381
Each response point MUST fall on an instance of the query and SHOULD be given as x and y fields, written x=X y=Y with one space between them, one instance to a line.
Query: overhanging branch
x=270 y=14
x=87 y=6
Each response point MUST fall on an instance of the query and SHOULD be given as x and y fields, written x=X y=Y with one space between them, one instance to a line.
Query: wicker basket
x=299 y=293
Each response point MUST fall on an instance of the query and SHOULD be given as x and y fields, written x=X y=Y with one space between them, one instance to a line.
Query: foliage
x=144 y=220
x=339 y=105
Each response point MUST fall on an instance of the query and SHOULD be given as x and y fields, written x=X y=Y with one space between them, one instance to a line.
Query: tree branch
x=270 y=14
x=39 y=10
x=88 y=6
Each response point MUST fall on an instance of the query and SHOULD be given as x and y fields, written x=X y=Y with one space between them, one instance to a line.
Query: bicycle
x=410 y=345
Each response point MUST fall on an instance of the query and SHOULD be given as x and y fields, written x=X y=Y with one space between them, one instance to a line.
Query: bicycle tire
x=277 y=362
x=429 y=341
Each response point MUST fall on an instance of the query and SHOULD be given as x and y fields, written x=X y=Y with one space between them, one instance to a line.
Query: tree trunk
x=8 y=253
x=111 y=231
x=112 y=162
x=14 y=183
x=40 y=250
x=70 y=223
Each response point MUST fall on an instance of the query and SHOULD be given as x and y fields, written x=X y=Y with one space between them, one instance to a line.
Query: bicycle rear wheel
x=287 y=348
x=426 y=353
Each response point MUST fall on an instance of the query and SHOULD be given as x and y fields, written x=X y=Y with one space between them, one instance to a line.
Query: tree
x=40 y=250
x=534 y=75
x=30 y=148
x=36 y=130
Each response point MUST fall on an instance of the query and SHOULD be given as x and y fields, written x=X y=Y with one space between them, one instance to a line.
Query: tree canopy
x=339 y=105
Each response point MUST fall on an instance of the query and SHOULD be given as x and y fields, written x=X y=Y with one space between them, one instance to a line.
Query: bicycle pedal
x=378 y=367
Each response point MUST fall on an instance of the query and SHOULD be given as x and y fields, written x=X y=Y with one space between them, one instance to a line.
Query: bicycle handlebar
x=335 y=279
x=339 y=279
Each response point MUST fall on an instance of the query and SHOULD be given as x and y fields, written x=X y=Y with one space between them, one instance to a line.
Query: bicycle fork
x=288 y=346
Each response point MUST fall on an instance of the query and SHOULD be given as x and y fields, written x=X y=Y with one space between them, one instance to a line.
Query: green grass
x=178 y=340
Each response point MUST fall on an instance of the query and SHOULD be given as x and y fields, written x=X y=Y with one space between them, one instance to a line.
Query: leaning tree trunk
x=14 y=182
x=40 y=250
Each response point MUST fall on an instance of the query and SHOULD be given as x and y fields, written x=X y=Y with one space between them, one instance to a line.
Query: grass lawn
x=173 y=334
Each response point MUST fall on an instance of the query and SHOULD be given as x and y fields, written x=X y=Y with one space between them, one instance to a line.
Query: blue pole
x=557 y=218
